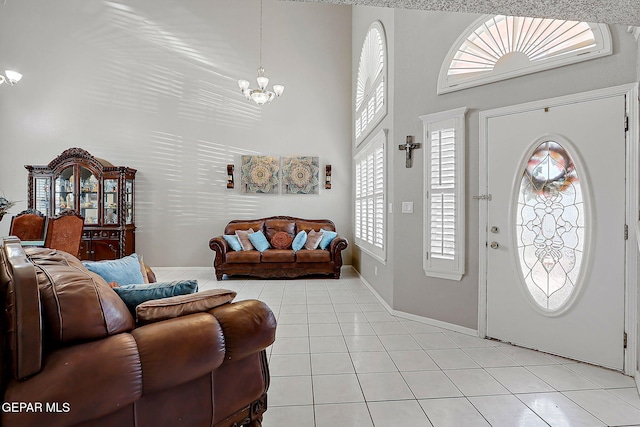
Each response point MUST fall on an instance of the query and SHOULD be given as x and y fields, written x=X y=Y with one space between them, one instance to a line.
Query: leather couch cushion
x=182 y=305
x=251 y=257
x=232 y=227
x=279 y=255
x=94 y=378
x=76 y=303
x=316 y=255
x=275 y=225
x=314 y=225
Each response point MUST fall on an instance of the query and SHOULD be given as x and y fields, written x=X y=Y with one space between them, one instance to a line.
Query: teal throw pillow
x=132 y=295
x=233 y=241
x=327 y=238
x=259 y=241
x=299 y=241
x=123 y=271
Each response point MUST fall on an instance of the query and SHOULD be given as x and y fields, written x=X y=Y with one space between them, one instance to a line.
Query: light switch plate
x=407 y=207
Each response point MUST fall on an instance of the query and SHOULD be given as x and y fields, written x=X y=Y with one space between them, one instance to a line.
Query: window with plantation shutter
x=499 y=47
x=444 y=136
x=369 y=208
x=370 y=97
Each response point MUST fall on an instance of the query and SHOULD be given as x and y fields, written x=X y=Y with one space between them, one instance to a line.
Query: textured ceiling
x=626 y=12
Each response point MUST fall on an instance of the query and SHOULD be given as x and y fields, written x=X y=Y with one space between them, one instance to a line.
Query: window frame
x=371 y=96
x=379 y=141
x=603 y=47
x=452 y=269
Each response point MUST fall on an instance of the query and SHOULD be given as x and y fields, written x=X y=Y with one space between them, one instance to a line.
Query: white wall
x=152 y=84
x=421 y=41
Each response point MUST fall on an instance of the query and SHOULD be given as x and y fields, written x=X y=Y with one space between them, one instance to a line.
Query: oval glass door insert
x=550 y=226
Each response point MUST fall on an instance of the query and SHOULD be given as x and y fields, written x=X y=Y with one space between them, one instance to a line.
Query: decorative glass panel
x=88 y=196
x=129 y=200
x=64 y=191
x=42 y=195
x=110 y=192
x=550 y=225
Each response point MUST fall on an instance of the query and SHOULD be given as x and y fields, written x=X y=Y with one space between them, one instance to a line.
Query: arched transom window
x=370 y=101
x=500 y=47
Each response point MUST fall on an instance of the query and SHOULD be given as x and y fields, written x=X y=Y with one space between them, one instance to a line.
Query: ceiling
x=625 y=12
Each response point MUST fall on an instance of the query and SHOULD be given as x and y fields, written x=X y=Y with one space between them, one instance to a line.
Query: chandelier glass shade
x=12 y=77
x=260 y=95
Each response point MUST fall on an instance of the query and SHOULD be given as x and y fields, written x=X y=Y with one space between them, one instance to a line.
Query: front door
x=555 y=229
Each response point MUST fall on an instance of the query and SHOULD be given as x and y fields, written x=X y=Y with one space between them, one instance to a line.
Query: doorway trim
x=632 y=214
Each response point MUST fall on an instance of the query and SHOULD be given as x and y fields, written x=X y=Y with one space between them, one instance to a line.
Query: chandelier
x=261 y=95
x=12 y=77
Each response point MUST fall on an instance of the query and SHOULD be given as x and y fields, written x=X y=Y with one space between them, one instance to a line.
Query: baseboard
x=414 y=317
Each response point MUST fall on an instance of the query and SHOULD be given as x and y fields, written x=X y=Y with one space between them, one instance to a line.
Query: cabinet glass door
x=88 y=196
x=129 y=200
x=110 y=192
x=42 y=192
x=64 y=191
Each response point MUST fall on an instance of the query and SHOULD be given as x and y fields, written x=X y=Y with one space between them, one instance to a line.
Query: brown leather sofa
x=278 y=263
x=73 y=355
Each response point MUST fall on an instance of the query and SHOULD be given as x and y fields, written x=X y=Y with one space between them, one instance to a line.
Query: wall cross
x=408 y=147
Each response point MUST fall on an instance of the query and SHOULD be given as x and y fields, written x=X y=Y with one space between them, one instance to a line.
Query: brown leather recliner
x=72 y=354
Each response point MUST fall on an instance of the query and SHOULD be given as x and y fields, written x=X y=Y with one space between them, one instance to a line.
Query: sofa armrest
x=337 y=245
x=181 y=305
x=175 y=351
x=249 y=327
x=220 y=247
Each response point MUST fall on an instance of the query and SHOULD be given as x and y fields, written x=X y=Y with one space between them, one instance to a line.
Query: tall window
x=370 y=218
x=499 y=47
x=370 y=100
x=444 y=249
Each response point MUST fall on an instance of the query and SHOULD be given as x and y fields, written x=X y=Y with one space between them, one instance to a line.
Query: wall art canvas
x=300 y=175
x=260 y=174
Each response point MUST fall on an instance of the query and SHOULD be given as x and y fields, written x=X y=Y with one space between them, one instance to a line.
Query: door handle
x=494 y=245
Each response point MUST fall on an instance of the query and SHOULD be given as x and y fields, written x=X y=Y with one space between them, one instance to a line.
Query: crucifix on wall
x=408 y=147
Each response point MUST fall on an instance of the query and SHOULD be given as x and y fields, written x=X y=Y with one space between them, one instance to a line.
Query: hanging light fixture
x=261 y=95
x=12 y=77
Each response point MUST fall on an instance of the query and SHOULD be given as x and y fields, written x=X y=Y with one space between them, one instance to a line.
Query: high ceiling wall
x=152 y=84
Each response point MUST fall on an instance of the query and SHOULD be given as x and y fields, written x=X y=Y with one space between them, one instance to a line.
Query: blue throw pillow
x=259 y=241
x=327 y=237
x=233 y=241
x=123 y=271
x=132 y=295
x=299 y=241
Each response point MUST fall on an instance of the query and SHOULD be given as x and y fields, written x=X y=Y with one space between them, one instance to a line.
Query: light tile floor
x=340 y=359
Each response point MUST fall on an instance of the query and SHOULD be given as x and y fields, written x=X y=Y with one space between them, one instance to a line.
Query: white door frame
x=632 y=208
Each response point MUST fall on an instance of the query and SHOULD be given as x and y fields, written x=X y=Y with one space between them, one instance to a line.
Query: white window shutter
x=444 y=230
x=370 y=187
x=370 y=104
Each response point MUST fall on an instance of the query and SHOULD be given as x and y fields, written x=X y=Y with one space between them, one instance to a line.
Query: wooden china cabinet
x=101 y=192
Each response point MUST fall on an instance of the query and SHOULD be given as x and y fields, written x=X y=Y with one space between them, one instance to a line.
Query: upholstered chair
x=28 y=225
x=64 y=232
